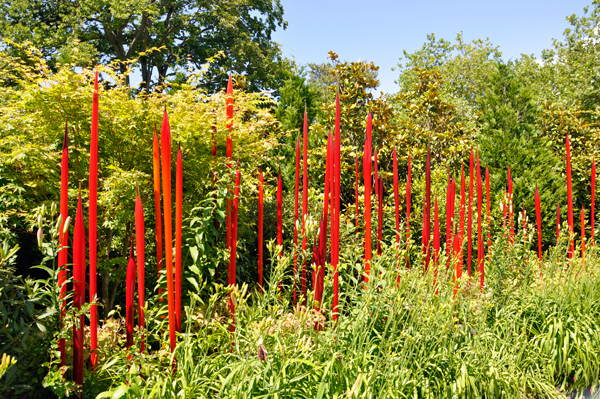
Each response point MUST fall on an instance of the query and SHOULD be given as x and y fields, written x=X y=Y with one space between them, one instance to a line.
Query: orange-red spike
x=165 y=147
x=178 y=238
x=157 y=211
x=140 y=256
x=78 y=292
x=63 y=253
x=93 y=220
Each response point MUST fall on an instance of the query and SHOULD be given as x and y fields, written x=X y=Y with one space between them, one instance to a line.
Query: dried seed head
x=262 y=353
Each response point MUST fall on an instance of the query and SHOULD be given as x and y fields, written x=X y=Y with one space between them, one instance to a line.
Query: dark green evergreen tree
x=509 y=136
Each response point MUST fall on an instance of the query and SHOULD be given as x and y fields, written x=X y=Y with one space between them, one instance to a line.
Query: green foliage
x=30 y=324
x=355 y=83
x=465 y=67
x=187 y=34
x=32 y=114
x=525 y=335
x=425 y=118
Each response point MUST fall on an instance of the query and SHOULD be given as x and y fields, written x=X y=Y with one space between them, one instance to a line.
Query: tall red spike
x=524 y=228
x=593 y=201
x=427 y=224
x=229 y=154
x=570 y=200
x=178 y=236
x=260 y=228
x=129 y=297
x=461 y=225
x=408 y=192
x=396 y=196
x=234 y=229
x=470 y=216
x=93 y=220
x=436 y=242
x=157 y=211
x=504 y=210
x=449 y=220
x=165 y=147
x=379 y=206
x=296 y=217
x=380 y=215
x=231 y=275
x=367 y=182
x=229 y=116
x=320 y=272
x=63 y=253
x=304 y=201
x=488 y=206
x=557 y=223
x=582 y=232
x=375 y=173
x=335 y=247
x=356 y=190
x=480 y=239
x=423 y=239
x=140 y=256
x=511 y=218
x=538 y=217
x=279 y=213
x=78 y=292
x=396 y=205
x=456 y=259
x=214 y=176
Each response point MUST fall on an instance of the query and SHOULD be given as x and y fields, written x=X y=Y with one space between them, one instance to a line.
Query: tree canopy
x=182 y=33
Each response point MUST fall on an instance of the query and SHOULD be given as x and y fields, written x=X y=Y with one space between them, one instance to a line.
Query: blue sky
x=379 y=30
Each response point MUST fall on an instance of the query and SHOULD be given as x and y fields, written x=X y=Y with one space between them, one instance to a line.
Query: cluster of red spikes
x=173 y=268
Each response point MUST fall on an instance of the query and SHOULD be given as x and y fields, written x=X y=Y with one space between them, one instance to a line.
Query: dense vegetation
x=533 y=332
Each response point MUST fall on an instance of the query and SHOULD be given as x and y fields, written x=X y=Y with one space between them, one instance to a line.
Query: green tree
x=510 y=137
x=32 y=116
x=464 y=67
x=187 y=33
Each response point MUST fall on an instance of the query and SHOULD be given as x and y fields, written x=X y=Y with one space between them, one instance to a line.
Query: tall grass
x=533 y=332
